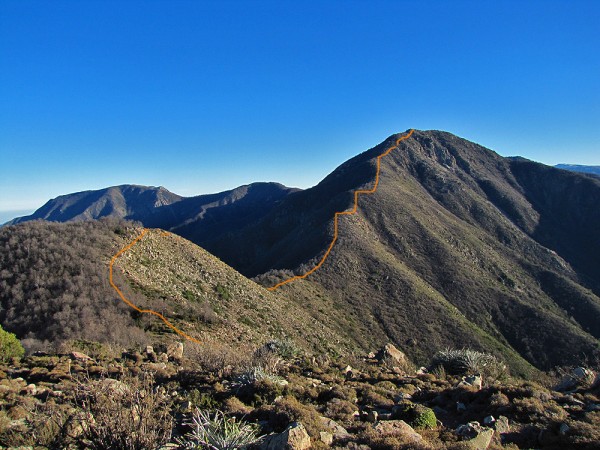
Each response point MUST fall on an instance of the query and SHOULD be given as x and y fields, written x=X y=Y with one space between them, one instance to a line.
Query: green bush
x=9 y=346
x=417 y=416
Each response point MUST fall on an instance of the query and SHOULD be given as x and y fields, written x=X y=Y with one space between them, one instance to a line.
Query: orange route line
x=146 y=311
x=346 y=213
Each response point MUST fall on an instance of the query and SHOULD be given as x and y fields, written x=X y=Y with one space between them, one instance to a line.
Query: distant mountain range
x=459 y=247
x=594 y=170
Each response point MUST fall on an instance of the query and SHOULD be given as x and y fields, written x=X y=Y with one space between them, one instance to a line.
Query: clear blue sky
x=204 y=96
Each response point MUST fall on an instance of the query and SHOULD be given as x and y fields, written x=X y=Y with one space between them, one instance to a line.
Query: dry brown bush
x=127 y=414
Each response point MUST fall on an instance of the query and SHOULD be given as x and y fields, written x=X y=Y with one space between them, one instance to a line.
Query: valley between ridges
x=336 y=216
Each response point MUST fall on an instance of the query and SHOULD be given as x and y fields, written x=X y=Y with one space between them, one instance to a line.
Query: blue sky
x=204 y=96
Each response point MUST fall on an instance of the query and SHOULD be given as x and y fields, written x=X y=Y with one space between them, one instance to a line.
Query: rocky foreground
x=88 y=397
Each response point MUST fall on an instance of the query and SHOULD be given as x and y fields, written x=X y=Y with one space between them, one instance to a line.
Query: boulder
x=475 y=436
x=398 y=427
x=578 y=377
x=80 y=356
x=482 y=441
x=390 y=353
x=294 y=437
x=338 y=431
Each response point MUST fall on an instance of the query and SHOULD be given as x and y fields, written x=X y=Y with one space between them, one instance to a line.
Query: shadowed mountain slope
x=198 y=218
x=459 y=246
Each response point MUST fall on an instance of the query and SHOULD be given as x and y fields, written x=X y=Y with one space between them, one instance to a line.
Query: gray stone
x=460 y=407
x=489 y=420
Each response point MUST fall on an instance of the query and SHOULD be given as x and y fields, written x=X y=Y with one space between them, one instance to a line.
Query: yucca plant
x=255 y=374
x=218 y=432
x=464 y=361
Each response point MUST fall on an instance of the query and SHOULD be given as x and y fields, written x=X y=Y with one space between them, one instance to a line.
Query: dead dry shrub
x=236 y=407
x=371 y=396
x=49 y=425
x=127 y=414
x=218 y=359
x=288 y=410
x=338 y=409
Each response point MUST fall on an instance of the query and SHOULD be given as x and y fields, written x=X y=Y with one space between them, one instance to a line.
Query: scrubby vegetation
x=54 y=284
x=148 y=399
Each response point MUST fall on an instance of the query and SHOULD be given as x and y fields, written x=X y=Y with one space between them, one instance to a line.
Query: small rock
x=460 y=407
x=473 y=380
x=186 y=405
x=347 y=369
x=563 y=429
x=31 y=389
x=422 y=371
x=489 y=420
x=402 y=396
x=372 y=416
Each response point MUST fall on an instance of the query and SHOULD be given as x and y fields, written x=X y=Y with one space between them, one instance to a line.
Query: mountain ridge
x=459 y=245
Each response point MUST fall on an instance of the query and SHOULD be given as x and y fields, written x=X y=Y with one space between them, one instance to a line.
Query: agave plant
x=218 y=432
x=464 y=361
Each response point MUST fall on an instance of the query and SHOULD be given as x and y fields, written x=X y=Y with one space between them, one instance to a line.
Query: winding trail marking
x=346 y=213
x=289 y=280
x=140 y=310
